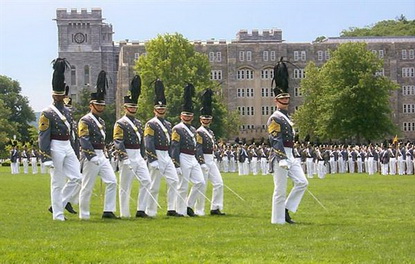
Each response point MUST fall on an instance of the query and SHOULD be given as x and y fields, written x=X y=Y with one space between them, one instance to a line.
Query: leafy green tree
x=399 y=27
x=20 y=112
x=82 y=108
x=173 y=59
x=7 y=129
x=351 y=101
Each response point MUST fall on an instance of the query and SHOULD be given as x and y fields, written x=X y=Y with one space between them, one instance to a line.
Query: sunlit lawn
x=369 y=219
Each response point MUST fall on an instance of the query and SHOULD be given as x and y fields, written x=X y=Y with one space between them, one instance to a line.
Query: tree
x=399 y=27
x=351 y=101
x=20 y=113
x=82 y=108
x=7 y=129
x=173 y=59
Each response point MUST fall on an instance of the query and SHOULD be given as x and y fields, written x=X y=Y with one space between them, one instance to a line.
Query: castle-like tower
x=243 y=67
x=86 y=42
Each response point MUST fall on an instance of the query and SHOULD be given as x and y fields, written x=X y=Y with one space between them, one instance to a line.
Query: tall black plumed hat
x=58 y=79
x=134 y=92
x=206 y=109
x=189 y=92
x=102 y=85
x=281 y=79
x=159 y=98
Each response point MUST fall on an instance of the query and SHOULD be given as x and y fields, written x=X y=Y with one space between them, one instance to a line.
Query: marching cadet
x=128 y=141
x=14 y=158
x=25 y=159
x=33 y=160
x=157 y=137
x=283 y=164
x=55 y=149
x=205 y=141
x=91 y=131
x=183 y=153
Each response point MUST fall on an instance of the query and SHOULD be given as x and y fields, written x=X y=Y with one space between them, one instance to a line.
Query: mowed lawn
x=369 y=219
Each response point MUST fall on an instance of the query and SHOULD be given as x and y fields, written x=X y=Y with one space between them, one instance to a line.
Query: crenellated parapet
x=272 y=35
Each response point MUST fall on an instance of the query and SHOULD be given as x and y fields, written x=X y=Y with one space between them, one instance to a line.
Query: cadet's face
x=97 y=109
x=58 y=98
x=206 y=121
x=131 y=110
x=160 y=111
x=186 y=118
x=282 y=103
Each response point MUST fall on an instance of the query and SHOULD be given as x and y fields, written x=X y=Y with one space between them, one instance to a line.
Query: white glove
x=95 y=160
x=49 y=164
x=283 y=164
x=154 y=165
x=205 y=168
x=126 y=162
x=179 y=171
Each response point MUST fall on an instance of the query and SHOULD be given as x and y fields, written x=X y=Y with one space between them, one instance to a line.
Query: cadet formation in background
x=74 y=153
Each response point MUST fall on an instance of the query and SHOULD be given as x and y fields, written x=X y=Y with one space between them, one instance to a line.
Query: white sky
x=28 y=34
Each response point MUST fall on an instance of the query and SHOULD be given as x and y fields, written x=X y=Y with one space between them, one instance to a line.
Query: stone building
x=243 y=66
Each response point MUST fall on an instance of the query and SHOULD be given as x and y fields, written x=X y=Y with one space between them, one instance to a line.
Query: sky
x=28 y=33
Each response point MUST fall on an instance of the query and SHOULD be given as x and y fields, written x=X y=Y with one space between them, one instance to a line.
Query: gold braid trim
x=45 y=154
x=279 y=152
x=88 y=151
x=151 y=154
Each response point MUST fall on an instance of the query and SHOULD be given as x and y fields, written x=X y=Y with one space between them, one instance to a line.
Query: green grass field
x=369 y=220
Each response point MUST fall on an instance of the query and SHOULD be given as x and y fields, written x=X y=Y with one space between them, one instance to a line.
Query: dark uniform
x=283 y=164
x=55 y=149
x=129 y=143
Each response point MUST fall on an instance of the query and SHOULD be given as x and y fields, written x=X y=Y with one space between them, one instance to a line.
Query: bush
x=6 y=163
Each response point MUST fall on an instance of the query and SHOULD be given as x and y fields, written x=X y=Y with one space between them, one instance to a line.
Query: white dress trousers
x=166 y=169
x=279 y=200
x=136 y=170
x=191 y=172
x=90 y=172
x=214 y=176
x=66 y=165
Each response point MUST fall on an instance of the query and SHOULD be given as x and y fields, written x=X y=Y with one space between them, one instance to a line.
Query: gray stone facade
x=243 y=66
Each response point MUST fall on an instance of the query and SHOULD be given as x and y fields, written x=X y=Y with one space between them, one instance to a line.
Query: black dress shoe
x=141 y=214
x=50 y=209
x=110 y=215
x=174 y=213
x=70 y=209
x=216 y=212
x=288 y=217
x=190 y=212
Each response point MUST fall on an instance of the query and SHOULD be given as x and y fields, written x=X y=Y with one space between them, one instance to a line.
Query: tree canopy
x=399 y=27
x=173 y=59
x=16 y=113
x=346 y=99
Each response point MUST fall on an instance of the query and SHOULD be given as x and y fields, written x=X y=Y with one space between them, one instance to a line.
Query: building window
x=265 y=55
x=264 y=92
x=408 y=108
x=408 y=126
x=216 y=75
x=248 y=56
x=320 y=55
x=136 y=56
x=303 y=55
x=267 y=74
x=265 y=110
x=411 y=54
x=245 y=74
x=408 y=90
x=327 y=54
x=211 y=56
x=299 y=74
x=250 y=92
x=272 y=53
x=408 y=72
x=218 y=56
x=296 y=55
x=404 y=55
x=86 y=75
x=380 y=54
x=73 y=75
x=297 y=92
x=381 y=72
x=242 y=55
